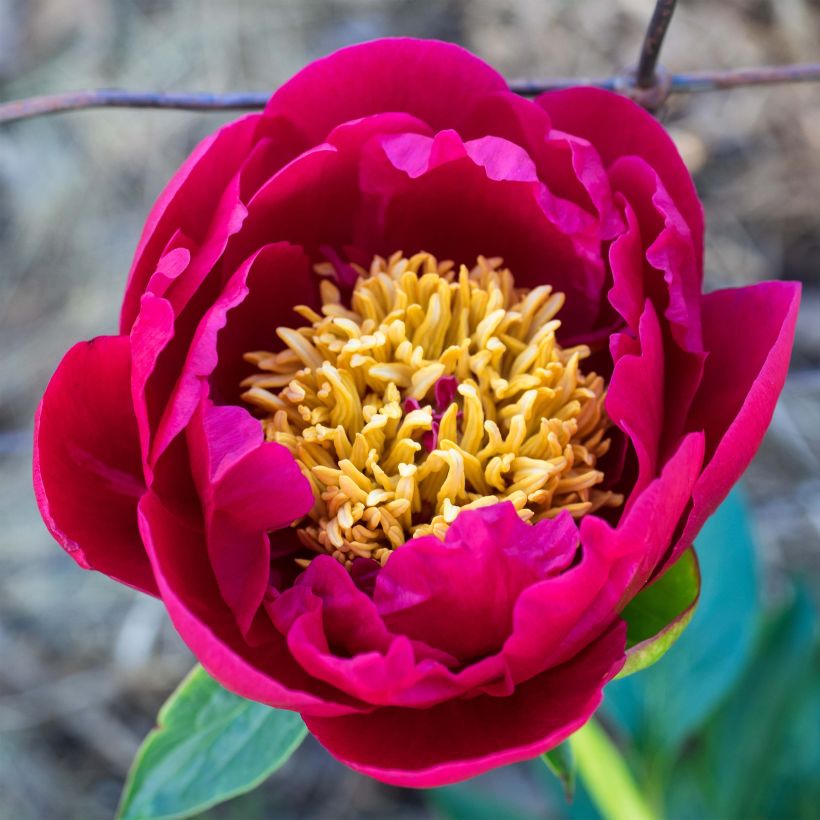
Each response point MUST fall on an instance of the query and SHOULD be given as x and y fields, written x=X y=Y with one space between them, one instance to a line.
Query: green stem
x=606 y=776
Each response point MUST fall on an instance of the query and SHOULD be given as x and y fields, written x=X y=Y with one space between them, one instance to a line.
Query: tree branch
x=646 y=75
x=691 y=83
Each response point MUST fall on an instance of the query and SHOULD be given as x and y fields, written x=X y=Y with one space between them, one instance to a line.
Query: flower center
x=436 y=390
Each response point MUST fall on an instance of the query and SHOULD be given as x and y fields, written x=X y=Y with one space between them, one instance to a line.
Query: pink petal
x=313 y=201
x=286 y=279
x=463 y=738
x=335 y=632
x=748 y=333
x=278 y=278
x=151 y=333
x=568 y=165
x=87 y=467
x=459 y=200
x=247 y=487
x=556 y=618
x=618 y=127
x=306 y=203
x=669 y=248
x=385 y=76
x=635 y=398
x=488 y=558
x=627 y=261
x=264 y=673
x=189 y=203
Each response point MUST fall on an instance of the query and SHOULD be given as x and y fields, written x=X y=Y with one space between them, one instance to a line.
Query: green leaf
x=561 y=762
x=209 y=745
x=668 y=702
x=606 y=776
x=750 y=756
x=657 y=616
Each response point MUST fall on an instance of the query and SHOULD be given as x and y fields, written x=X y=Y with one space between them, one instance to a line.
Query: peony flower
x=415 y=389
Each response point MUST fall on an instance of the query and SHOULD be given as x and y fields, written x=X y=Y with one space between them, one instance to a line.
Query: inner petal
x=432 y=389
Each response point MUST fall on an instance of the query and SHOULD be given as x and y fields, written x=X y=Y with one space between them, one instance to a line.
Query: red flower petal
x=748 y=334
x=386 y=75
x=459 y=200
x=248 y=487
x=488 y=558
x=265 y=673
x=463 y=738
x=618 y=127
x=188 y=204
x=87 y=467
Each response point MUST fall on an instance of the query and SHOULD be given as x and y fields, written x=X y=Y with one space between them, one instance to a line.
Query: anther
x=435 y=390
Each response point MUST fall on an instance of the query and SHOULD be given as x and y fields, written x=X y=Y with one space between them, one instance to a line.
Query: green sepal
x=658 y=614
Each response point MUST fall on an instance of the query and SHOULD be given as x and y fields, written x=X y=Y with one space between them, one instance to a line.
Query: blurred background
x=734 y=710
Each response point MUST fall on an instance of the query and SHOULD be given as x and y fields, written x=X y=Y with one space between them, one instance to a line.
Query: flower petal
x=87 y=468
x=384 y=76
x=635 y=398
x=276 y=279
x=669 y=249
x=748 y=333
x=335 y=632
x=265 y=673
x=618 y=127
x=488 y=558
x=282 y=278
x=556 y=618
x=568 y=165
x=460 y=200
x=188 y=204
x=463 y=738
x=248 y=487
x=313 y=201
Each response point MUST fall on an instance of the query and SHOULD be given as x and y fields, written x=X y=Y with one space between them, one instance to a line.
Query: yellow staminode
x=353 y=397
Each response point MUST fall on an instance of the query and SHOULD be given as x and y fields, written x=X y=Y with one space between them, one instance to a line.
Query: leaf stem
x=606 y=776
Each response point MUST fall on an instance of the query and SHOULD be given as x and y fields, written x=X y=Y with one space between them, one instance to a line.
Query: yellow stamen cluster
x=525 y=425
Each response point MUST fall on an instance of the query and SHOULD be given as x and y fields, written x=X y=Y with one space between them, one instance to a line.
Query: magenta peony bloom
x=414 y=510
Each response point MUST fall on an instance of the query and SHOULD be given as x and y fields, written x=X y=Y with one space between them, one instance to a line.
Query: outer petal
x=151 y=333
x=463 y=738
x=188 y=203
x=555 y=619
x=618 y=127
x=87 y=466
x=386 y=75
x=748 y=333
x=174 y=541
x=568 y=165
x=312 y=201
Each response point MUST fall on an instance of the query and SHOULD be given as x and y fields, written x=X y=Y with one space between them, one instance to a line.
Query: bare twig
x=115 y=98
x=691 y=83
x=646 y=74
x=694 y=82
